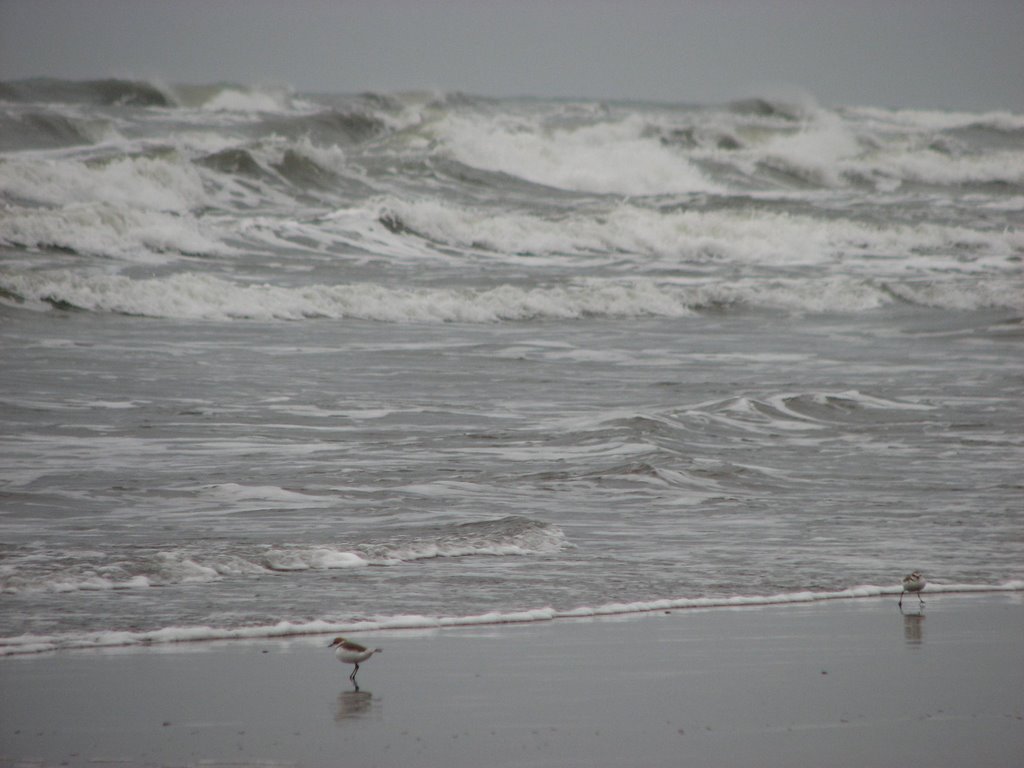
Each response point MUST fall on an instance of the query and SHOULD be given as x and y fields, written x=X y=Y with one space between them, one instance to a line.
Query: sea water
x=274 y=362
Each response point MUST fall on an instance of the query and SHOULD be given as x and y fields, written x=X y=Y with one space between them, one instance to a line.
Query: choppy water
x=277 y=362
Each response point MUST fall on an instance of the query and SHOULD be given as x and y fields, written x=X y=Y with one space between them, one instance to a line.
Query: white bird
x=348 y=652
x=912 y=582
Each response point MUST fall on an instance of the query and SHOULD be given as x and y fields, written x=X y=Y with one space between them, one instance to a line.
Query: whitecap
x=104 y=229
x=612 y=157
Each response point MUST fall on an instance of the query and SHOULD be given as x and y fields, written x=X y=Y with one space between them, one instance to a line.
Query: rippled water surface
x=277 y=362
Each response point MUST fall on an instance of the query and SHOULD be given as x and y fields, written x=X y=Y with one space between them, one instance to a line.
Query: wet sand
x=843 y=683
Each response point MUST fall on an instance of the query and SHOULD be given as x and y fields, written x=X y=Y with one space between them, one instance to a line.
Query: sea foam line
x=30 y=644
x=194 y=296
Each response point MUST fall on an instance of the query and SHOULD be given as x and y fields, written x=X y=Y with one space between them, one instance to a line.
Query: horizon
x=914 y=55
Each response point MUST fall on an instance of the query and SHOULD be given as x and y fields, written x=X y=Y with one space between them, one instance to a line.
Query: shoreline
x=46 y=644
x=847 y=682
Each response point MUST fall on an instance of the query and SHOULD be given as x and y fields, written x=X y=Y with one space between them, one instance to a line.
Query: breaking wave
x=111 y=92
x=27 y=571
x=197 y=296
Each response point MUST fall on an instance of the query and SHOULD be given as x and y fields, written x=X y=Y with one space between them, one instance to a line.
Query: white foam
x=198 y=296
x=853 y=295
x=613 y=157
x=105 y=229
x=788 y=411
x=26 y=644
x=113 y=405
x=82 y=571
x=816 y=152
x=848 y=396
x=233 y=492
x=332 y=158
x=89 y=583
x=201 y=296
x=494 y=539
x=249 y=99
x=933 y=120
x=181 y=569
x=933 y=167
x=430 y=550
x=995 y=293
x=154 y=183
x=836 y=149
x=672 y=238
x=313 y=558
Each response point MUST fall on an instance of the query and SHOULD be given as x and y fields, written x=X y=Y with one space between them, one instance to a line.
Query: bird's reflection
x=913 y=628
x=353 y=704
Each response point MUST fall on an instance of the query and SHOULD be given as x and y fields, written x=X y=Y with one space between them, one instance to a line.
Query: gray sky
x=959 y=54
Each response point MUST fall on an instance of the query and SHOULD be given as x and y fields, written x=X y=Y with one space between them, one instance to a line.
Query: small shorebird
x=912 y=582
x=348 y=652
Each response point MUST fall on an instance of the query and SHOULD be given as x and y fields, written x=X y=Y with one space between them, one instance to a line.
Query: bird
x=348 y=652
x=912 y=582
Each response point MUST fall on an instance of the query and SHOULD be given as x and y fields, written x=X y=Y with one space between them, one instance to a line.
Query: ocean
x=276 y=363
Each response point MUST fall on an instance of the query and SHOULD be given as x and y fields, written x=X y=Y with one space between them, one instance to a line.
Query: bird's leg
x=352 y=677
x=921 y=599
x=900 y=603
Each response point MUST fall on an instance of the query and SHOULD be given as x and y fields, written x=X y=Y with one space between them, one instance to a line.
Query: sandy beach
x=844 y=683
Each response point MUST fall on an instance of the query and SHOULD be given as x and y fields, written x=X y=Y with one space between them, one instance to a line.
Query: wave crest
x=110 y=92
x=124 y=568
x=193 y=296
